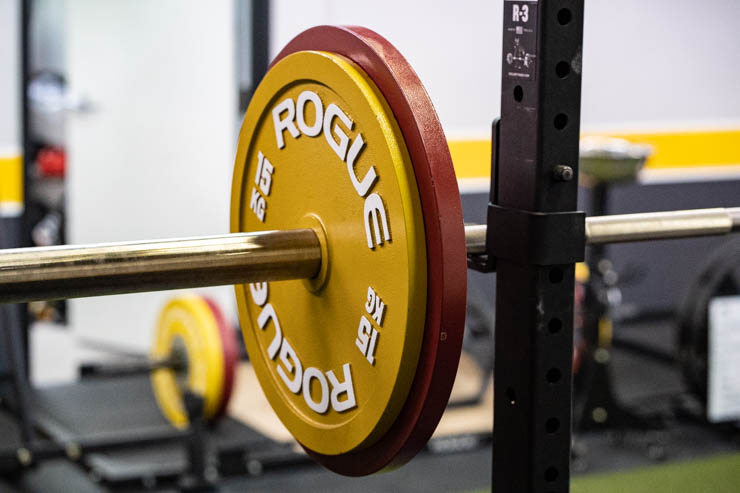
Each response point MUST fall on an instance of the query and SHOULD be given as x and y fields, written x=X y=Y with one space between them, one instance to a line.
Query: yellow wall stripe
x=696 y=148
x=472 y=158
x=670 y=150
x=11 y=185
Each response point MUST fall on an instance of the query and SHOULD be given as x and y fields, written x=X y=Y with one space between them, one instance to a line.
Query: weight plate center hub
x=320 y=148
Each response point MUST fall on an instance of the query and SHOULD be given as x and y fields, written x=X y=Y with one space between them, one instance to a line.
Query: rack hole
x=552 y=425
x=553 y=375
x=564 y=16
x=551 y=474
x=556 y=275
x=518 y=94
x=554 y=325
x=511 y=396
x=561 y=120
x=562 y=69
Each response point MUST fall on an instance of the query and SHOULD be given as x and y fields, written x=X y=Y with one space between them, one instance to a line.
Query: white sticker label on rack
x=724 y=359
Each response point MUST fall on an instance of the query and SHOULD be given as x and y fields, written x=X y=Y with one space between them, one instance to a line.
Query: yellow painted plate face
x=189 y=319
x=319 y=148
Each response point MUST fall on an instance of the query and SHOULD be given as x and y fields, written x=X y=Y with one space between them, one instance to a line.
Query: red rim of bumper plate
x=445 y=240
x=231 y=355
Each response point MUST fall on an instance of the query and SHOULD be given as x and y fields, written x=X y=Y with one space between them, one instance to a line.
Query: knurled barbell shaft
x=47 y=273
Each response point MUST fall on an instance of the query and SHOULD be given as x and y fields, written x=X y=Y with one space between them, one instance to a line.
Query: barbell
x=194 y=350
x=80 y=271
x=343 y=191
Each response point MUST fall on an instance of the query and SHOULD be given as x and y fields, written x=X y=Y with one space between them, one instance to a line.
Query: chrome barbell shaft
x=661 y=225
x=47 y=273
x=623 y=228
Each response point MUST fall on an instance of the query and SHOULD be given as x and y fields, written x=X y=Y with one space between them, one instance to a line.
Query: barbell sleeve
x=48 y=273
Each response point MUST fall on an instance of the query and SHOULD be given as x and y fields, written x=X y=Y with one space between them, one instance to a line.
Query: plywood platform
x=249 y=405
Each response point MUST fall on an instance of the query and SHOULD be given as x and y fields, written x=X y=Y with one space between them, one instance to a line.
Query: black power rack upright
x=534 y=186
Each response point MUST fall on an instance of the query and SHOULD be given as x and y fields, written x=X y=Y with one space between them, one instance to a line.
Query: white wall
x=455 y=47
x=670 y=61
x=646 y=62
x=10 y=75
x=153 y=159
